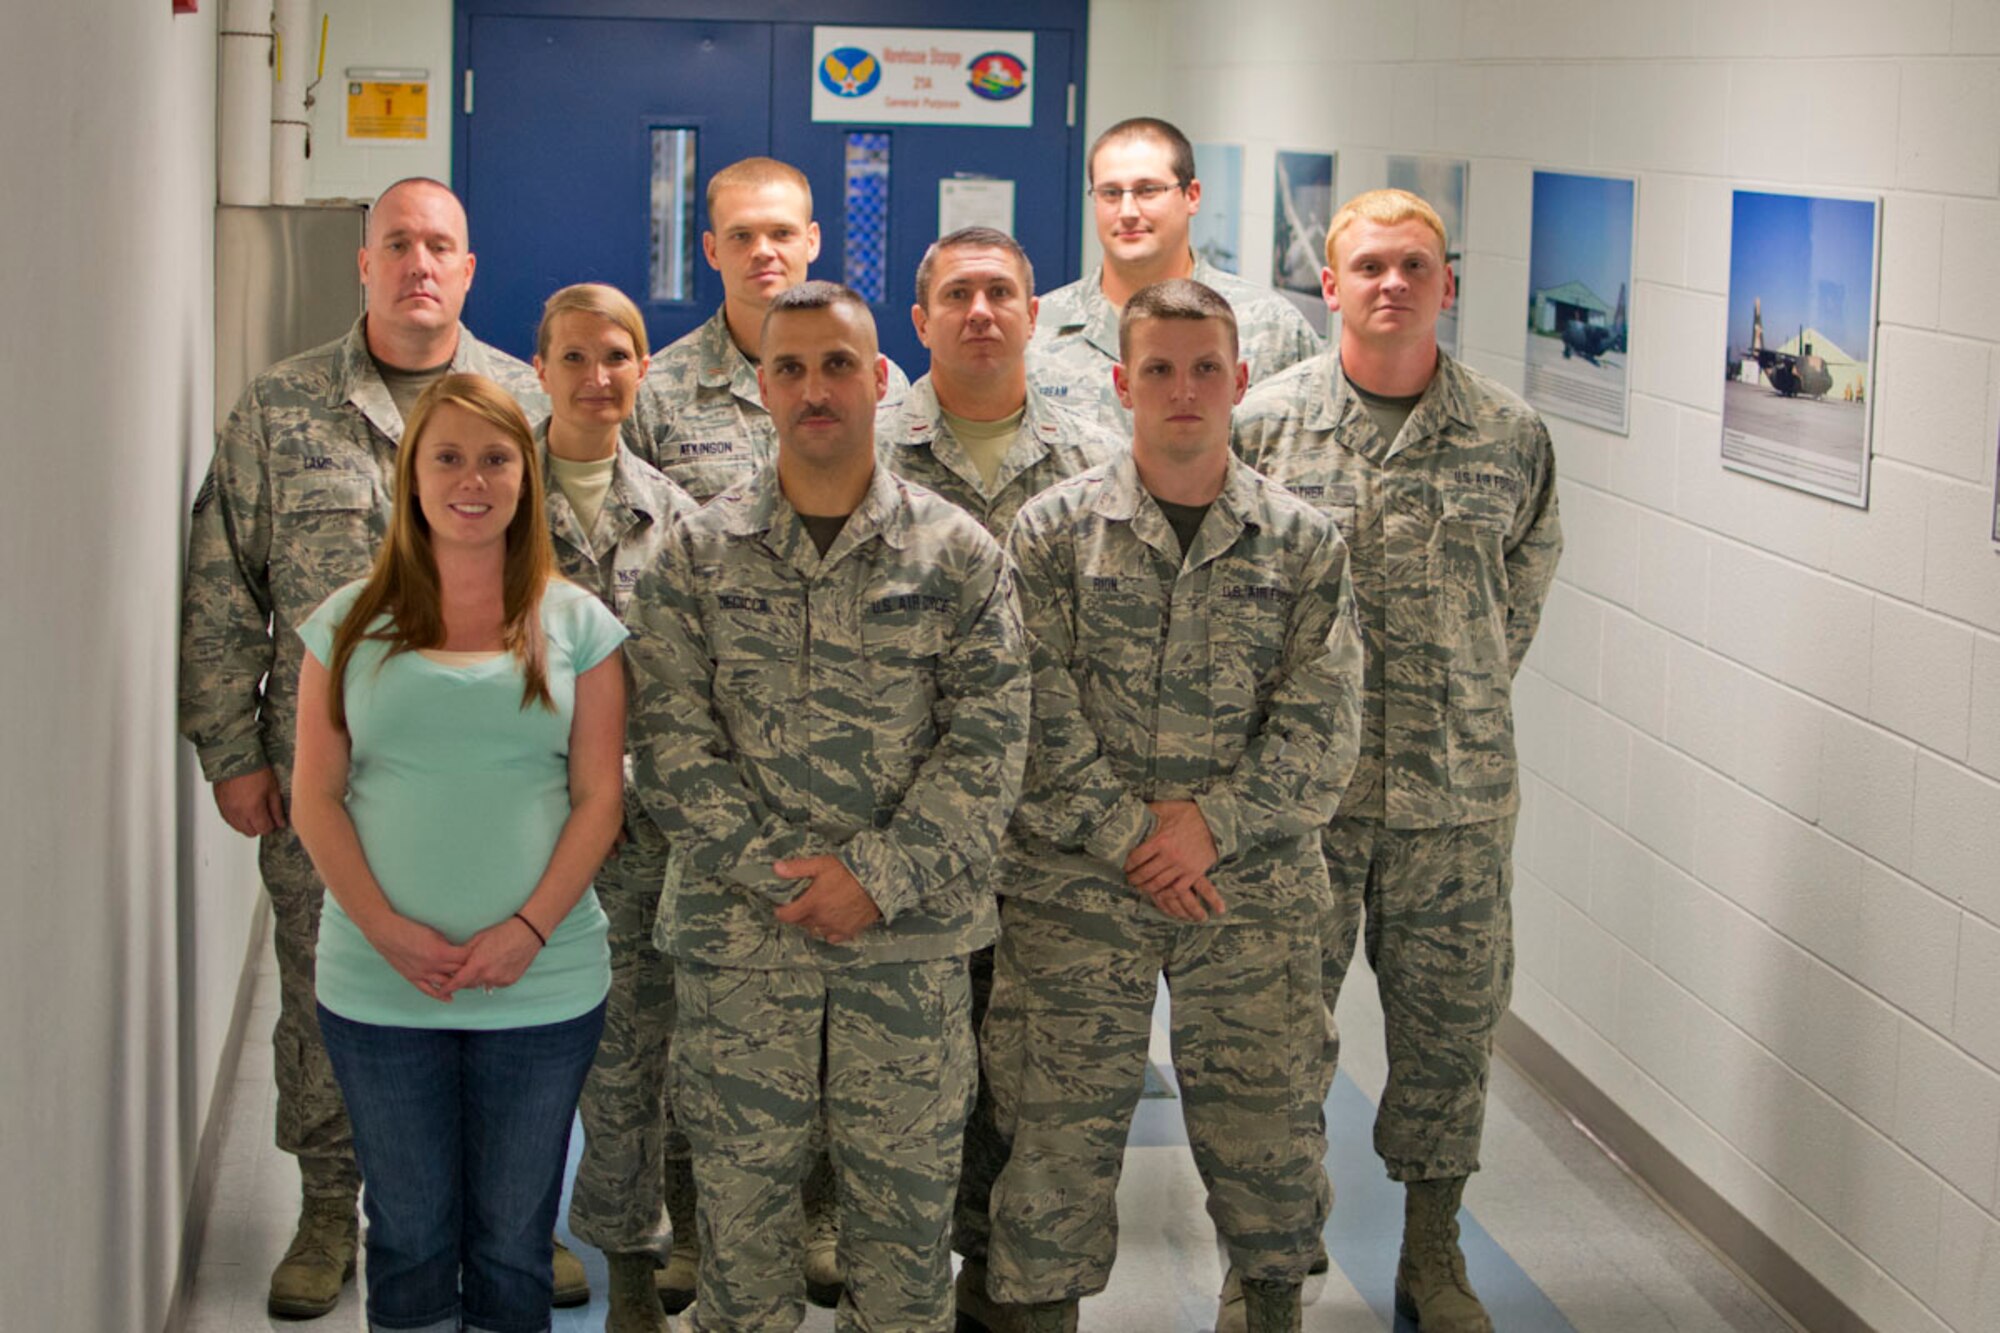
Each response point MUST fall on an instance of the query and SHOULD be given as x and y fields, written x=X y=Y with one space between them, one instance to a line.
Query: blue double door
x=584 y=140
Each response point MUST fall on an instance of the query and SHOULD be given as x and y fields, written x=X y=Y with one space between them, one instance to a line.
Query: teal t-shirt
x=459 y=794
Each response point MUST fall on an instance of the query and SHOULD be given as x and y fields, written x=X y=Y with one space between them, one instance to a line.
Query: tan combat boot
x=1431 y=1287
x=676 y=1282
x=1271 y=1305
x=1230 y=1316
x=977 y=1312
x=571 y=1286
x=635 y=1308
x=1041 y=1317
x=822 y=1247
x=306 y=1283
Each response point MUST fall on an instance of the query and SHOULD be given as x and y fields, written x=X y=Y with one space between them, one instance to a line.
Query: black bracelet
x=531 y=927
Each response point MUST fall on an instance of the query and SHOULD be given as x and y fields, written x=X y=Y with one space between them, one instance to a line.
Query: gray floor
x=1558 y=1238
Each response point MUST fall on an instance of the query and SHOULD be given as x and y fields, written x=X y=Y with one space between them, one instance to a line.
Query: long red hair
x=403 y=586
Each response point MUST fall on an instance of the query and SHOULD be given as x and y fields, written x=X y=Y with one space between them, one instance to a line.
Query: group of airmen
x=1072 y=644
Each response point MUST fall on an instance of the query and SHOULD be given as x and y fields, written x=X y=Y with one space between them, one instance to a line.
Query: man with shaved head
x=295 y=503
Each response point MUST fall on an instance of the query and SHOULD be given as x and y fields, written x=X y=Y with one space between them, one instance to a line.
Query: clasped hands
x=491 y=959
x=1171 y=866
x=833 y=906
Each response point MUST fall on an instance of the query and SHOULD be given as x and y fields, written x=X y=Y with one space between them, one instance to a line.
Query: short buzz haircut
x=1387 y=207
x=818 y=294
x=1176 y=298
x=753 y=172
x=393 y=186
x=1148 y=127
x=972 y=238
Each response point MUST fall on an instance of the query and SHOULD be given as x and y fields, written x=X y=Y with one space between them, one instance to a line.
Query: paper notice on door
x=975 y=203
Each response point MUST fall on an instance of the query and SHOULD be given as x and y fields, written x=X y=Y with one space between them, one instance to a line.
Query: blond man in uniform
x=1443 y=483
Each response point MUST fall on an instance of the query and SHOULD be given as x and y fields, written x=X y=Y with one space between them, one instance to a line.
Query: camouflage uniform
x=1053 y=443
x=871 y=704
x=1455 y=537
x=628 y=1124
x=295 y=502
x=914 y=441
x=1076 y=340
x=1231 y=677
x=700 y=416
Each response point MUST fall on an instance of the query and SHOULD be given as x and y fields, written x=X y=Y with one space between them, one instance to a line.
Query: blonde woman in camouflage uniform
x=1444 y=484
x=608 y=512
x=296 y=500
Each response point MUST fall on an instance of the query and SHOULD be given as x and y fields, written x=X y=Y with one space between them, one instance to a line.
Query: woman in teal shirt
x=458 y=783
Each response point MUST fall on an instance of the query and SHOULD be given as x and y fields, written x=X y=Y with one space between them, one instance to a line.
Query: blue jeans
x=462 y=1137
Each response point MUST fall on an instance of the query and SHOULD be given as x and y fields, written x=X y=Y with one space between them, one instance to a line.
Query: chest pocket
x=324 y=493
x=705 y=479
x=1246 y=649
x=900 y=654
x=1469 y=591
x=756 y=642
x=1118 y=627
x=325 y=536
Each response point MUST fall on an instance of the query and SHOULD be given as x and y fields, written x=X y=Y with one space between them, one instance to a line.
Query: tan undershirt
x=985 y=442
x=406 y=386
x=586 y=485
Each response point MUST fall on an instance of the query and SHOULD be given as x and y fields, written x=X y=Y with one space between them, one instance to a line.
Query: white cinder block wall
x=1759 y=890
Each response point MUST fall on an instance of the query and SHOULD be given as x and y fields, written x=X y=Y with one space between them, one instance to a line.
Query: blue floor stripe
x=1365 y=1231
x=1362 y=1236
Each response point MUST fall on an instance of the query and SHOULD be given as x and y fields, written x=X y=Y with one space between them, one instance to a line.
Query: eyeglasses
x=1145 y=192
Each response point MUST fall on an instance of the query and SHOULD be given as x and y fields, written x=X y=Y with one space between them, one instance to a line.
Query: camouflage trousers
x=630 y=1140
x=312 y=1117
x=985 y=1150
x=891 y=1045
x=1440 y=938
x=1065 y=1051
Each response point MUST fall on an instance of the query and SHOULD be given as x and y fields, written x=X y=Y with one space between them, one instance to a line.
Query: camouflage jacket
x=1231 y=677
x=1076 y=340
x=1455 y=536
x=295 y=503
x=871 y=704
x=913 y=440
x=700 y=416
x=631 y=528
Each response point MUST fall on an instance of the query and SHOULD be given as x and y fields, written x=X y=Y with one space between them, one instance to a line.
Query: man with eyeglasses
x=1142 y=193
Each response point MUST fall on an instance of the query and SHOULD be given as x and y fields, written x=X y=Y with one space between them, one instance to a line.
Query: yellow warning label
x=394 y=111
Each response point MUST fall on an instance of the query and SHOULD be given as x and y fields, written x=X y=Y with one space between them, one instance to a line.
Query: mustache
x=817 y=414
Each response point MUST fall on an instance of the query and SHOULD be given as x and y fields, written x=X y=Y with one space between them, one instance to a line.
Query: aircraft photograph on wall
x=1301 y=210
x=1799 y=369
x=1579 y=295
x=1216 y=232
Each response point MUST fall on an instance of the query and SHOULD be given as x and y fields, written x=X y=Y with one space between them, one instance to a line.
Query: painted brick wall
x=1759 y=888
